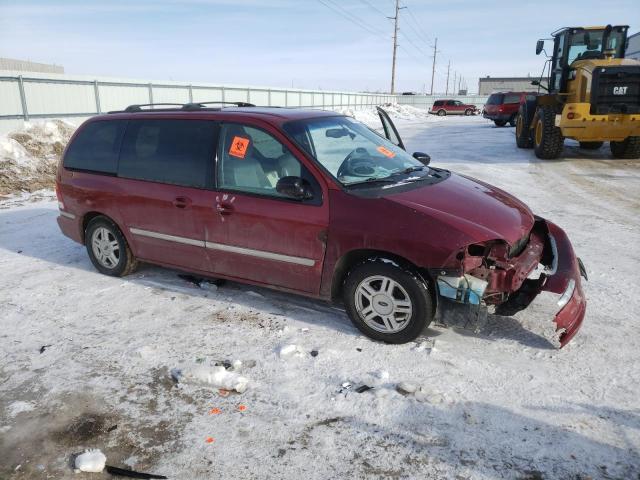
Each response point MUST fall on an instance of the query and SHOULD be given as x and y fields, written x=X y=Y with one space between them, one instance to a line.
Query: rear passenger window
x=179 y=152
x=96 y=146
x=512 y=98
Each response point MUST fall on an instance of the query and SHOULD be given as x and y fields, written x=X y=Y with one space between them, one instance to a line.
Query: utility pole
x=455 y=74
x=433 y=68
x=448 y=66
x=395 y=45
x=459 y=82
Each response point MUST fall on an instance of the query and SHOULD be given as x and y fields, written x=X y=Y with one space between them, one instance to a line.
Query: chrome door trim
x=164 y=236
x=307 y=262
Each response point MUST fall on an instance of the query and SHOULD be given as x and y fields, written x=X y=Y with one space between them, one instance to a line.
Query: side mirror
x=539 y=46
x=294 y=187
x=422 y=157
x=535 y=82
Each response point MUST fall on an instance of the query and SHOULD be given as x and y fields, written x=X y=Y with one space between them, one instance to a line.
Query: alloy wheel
x=105 y=247
x=383 y=304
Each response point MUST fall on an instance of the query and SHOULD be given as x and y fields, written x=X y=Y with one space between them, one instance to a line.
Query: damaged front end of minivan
x=509 y=277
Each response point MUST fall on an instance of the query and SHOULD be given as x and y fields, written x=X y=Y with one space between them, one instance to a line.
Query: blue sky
x=302 y=43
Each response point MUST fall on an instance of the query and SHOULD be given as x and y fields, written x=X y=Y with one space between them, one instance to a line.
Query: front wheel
x=108 y=249
x=512 y=120
x=548 y=140
x=387 y=302
x=468 y=112
x=628 y=148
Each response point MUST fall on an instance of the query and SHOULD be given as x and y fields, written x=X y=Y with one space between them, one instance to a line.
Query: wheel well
x=353 y=258
x=87 y=218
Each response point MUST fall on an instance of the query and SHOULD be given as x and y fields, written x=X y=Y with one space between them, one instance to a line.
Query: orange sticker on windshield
x=238 y=147
x=386 y=152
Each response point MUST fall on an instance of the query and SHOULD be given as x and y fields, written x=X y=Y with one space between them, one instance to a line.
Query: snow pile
x=28 y=157
x=370 y=117
x=217 y=376
x=92 y=460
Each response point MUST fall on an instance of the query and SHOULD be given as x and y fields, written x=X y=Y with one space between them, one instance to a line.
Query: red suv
x=503 y=107
x=309 y=202
x=452 y=107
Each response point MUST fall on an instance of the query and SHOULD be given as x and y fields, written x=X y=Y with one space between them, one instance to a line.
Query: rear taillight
x=59 y=197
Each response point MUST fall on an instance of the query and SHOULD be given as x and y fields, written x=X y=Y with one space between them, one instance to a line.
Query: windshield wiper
x=413 y=168
x=372 y=180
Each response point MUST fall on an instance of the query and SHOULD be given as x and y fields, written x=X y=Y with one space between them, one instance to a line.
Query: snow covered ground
x=87 y=359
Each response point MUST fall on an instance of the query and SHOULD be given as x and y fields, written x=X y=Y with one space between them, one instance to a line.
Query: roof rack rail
x=138 y=107
x=199 y=105
x=191 y=106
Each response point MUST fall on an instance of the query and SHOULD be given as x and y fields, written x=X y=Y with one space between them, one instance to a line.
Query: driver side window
x=251 y=160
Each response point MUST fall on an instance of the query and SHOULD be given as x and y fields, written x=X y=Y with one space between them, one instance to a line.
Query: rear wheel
x=548 y=139
x=441 y=113
x=108 y=249
x=512 y=120
x=500 y=123
x=591 y=145
x=387 y=302
x=628 y=148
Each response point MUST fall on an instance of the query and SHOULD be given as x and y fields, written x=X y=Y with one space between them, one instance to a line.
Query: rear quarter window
x=95 y=148
x=438 y=103
x=512 y=98
x=179 y=152
x=495 y=99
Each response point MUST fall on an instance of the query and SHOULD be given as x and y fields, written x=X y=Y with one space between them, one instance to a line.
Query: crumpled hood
x=478 y=210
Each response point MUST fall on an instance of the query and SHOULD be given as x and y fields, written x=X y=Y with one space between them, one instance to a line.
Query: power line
x=421 y=33
x=348 y=16
x=414 y=45
x=366 y=2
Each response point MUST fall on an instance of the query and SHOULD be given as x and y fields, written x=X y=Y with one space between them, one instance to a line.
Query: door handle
x=224 y=209
x=181 y=202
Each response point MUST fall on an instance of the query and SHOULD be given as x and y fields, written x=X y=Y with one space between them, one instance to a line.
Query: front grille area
x=615 y=90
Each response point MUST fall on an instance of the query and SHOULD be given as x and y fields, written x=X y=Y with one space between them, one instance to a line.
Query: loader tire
x=523 y=134
x=591 y=145
x=547 y=138
x=628 y=148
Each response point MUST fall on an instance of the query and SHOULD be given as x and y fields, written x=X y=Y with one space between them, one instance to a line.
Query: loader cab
x=575 y=44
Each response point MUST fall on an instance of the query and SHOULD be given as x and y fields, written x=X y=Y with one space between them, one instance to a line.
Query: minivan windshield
x=353 y=153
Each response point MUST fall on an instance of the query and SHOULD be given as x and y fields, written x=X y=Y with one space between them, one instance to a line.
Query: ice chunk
x=91 y=460
x=217 y=376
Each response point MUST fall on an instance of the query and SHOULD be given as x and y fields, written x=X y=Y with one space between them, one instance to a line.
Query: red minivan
x=310 y=202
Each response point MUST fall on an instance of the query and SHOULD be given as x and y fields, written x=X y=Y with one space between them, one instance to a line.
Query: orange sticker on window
x=238 y=147
x=386 y=152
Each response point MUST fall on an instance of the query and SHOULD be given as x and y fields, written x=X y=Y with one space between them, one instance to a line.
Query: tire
x=628 y=148
x=468 y=112
x=381 y=321
x=108 y=249
x=512 y=120
x=523 y=124
x=547 y=139
x=500 y=123
x=442 y=113
x=591 y=145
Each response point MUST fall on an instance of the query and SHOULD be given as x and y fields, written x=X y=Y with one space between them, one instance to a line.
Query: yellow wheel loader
x=592 y=95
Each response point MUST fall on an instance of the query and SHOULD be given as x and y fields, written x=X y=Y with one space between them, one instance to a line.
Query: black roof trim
x=191 y=106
